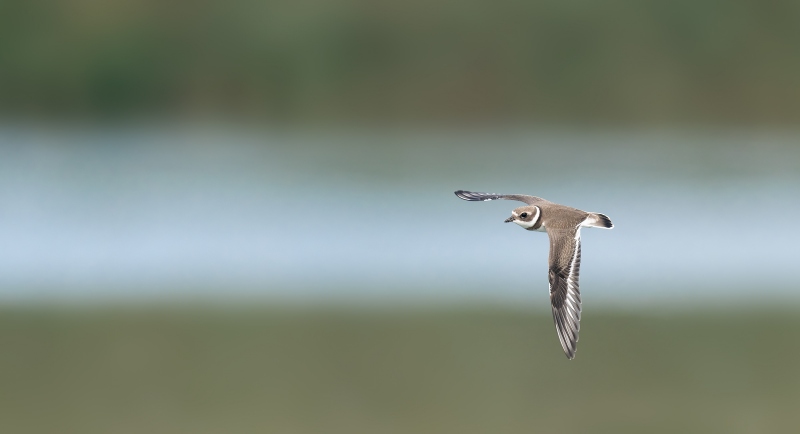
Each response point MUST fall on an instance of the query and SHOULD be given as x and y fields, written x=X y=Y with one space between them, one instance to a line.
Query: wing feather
x=565 y=295
x=474 y=196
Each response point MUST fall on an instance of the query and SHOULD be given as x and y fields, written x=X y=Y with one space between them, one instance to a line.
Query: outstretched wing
x=565 y=294
x=474 y=196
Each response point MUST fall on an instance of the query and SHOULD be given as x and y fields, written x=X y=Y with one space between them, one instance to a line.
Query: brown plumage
x=563 y=226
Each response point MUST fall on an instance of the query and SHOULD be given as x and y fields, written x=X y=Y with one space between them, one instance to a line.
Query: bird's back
x=561 y=217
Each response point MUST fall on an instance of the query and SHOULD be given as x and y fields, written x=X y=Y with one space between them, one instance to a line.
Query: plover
x=563 y=225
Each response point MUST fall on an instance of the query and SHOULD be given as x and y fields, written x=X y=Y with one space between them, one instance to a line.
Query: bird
x=563 y=226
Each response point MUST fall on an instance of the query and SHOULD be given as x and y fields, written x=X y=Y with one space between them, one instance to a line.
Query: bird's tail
x=597 y=220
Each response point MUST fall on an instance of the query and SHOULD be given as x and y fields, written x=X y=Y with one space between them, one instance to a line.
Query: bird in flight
x=563 y=226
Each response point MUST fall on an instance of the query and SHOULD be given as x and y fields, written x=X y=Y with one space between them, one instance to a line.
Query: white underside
x=529 y=225
x=526 y=225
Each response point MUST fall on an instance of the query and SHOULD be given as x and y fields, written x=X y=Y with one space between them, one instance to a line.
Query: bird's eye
x=523 y=215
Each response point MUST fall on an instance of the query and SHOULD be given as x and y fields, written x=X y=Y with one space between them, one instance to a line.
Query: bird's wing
x=474 y=196
x=565 y=294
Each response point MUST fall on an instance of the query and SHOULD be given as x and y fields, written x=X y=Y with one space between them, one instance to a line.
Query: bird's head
x=525 y=216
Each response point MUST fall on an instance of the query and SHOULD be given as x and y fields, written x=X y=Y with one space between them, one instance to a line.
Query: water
x=371 y=216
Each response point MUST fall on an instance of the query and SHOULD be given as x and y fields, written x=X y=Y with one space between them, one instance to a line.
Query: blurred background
x=239 y=216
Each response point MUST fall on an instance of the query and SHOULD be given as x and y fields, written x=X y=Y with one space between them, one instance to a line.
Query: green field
x=477 y=370
x=317 y=61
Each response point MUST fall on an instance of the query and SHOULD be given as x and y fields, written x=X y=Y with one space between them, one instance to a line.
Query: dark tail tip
x=604 y=220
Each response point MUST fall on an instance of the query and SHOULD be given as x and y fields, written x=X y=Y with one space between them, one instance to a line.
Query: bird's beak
x=510 y=219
